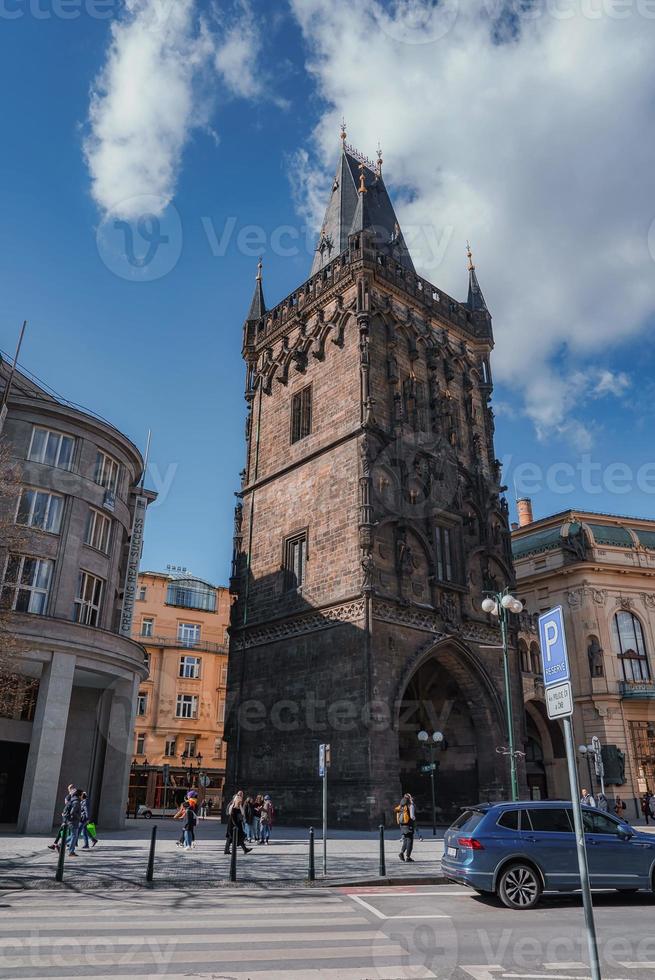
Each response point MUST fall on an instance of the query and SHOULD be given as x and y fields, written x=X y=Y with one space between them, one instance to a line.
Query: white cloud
x=540 y=150
x=152 y=93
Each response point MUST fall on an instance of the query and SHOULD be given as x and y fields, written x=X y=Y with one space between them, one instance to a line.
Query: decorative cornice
x=431 y=622
x=321 y=619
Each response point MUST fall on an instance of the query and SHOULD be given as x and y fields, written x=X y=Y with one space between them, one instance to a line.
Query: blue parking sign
x=554 y=656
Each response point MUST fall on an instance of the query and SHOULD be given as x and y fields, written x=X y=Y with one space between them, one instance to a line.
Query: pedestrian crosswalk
x=238 y=935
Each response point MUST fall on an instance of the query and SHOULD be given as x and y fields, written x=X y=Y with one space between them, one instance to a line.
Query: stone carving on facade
x=648 y=599
x=574 y=597
x=595 y=655
x=574 y=543
x=321 y=619
x=624 y=602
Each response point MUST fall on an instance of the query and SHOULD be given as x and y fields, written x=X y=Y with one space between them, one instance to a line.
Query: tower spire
x=258 y=304
x=475 y=299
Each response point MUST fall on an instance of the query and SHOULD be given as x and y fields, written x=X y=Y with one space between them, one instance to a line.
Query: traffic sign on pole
x=559 y=700
x=557 y=681
x=554 y=655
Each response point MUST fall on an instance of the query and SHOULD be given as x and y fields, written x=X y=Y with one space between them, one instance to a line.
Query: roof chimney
x=524 y=511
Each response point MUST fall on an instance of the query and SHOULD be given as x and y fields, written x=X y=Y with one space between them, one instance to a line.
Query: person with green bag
x=88 y=827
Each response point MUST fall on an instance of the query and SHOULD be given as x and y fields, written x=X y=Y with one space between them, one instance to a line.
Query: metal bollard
x=383 y=865
x=311 y=871
x=151 y=857
x=59 y=873
x=233 y=855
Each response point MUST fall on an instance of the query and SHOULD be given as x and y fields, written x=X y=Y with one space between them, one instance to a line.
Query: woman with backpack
x=406 y=817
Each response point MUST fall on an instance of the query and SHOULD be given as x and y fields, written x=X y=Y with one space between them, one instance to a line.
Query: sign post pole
x=323 y=766
x=559 y=704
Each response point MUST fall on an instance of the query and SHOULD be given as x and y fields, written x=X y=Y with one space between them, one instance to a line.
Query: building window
x=187 y=706
x=146 y=660
x=107 y=472
x=141 y=743
x=535 y=658
x=190 y=747
x=89 y=597
x=51 y=448
x=170 y=748
x=221 y=712
x=37 y=508
x=295 y=560
x=142 y=593
x=189 y=666
x=188 y=634
x=629 y=645
x=444 y=549
x=301 y=414
x=26 y=584
x=192 y=594
x=147 y=625
x=141 y=703
x=224 y=675
x=98 y=530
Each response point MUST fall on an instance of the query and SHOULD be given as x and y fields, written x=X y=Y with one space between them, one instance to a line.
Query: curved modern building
x=70 y=717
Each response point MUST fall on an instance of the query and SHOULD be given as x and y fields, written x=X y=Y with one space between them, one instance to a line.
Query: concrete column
x=118 y=753
x=39 y=800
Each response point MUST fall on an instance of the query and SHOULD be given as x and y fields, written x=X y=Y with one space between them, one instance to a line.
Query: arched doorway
x=545 y=759
x=448 y=691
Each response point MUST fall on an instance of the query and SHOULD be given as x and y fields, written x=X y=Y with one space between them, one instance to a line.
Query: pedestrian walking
x=248 y=817
x=188 y=827
x=235 y=822
x=256 y=819
x=586 y=799
x=60 y=833
x=72 y=817
x=266 y=818
x=187 y=802
x=203 y=810
x=87 y=827
x=651 y=805
x=406 y=817
x=619 y=807
x=645 y=806
x=601 y=802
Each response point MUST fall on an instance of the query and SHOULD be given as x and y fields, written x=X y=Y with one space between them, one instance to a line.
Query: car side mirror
x=625 y=833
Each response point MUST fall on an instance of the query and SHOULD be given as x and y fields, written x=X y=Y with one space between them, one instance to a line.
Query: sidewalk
x=120 y=859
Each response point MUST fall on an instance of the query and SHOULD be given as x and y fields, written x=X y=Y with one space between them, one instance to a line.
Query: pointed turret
x=258 y=304
x=359 y=202
x=475 y=299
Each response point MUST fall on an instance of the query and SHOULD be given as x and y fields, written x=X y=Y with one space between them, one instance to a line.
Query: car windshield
x=468 y=821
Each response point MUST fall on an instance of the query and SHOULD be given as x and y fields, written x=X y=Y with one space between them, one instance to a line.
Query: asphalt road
x=404 y=933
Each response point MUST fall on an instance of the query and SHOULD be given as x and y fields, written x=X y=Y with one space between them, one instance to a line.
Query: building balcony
x=642 y=690
x=533 y=687
x=174 y=642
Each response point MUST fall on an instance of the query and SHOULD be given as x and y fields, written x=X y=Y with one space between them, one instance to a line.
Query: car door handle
x=533 y=840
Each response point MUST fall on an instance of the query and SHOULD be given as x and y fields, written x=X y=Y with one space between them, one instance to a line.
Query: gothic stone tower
x=370 y=521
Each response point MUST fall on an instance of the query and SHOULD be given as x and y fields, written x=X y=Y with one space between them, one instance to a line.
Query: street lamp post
x=501 y=604
x=432 y=742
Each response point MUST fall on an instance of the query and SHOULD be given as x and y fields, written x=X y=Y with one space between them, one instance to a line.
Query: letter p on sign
x=554 y=655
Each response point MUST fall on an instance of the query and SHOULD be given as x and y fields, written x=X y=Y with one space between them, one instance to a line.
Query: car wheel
x=519 y=887
x=148 y=815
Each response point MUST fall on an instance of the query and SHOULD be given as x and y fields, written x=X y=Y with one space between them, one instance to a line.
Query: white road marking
x=381 y=915
x=373 y=972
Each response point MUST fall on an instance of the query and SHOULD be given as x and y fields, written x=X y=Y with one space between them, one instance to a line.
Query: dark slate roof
x=612 y=535
x=545 y=540
x=475 y=299
x=258 y=304
x=350 y=211
x=646 y=538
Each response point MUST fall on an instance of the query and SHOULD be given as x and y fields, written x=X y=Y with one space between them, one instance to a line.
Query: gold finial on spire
x=469 y=255
x=343 y=129
x=259 y=269
x=362 y=182
x=378 y=168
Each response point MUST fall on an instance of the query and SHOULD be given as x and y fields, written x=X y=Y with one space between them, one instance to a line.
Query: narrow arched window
x=535 y=657
x=525 y=657
x=628 y=639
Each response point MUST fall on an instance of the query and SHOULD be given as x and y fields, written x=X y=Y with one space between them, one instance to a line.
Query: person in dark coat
x=235 y=821
x=85 y=821
x=188 y=825
x=72 y=817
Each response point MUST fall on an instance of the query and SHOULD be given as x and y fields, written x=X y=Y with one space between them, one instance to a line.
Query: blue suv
x=518 y=850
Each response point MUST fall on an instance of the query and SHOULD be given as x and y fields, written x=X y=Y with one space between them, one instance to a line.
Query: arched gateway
x=369 y=525
x=449 y=691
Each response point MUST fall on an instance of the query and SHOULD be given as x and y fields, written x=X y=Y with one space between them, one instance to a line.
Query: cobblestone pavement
x=120 y=859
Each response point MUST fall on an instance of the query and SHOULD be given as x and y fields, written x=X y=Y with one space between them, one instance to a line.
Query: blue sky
x=229 y=118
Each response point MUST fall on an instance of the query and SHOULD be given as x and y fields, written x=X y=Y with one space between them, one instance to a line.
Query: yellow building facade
x=178 y=739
